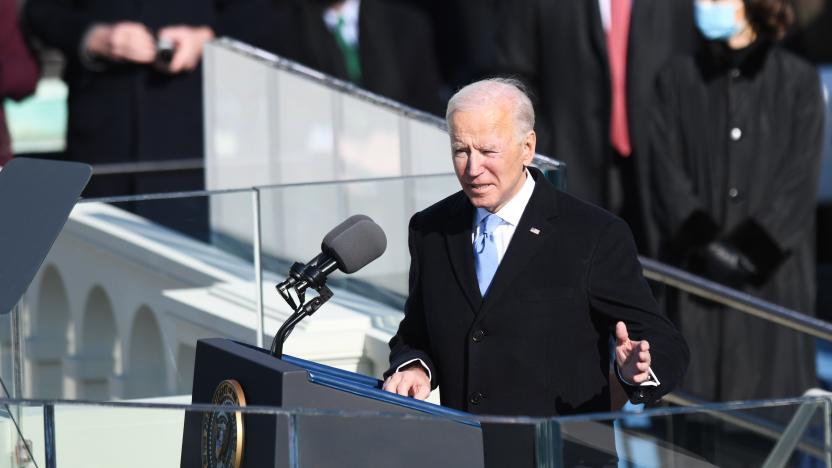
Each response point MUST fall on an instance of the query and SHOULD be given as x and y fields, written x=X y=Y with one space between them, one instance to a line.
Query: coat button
x=735 y=73
x=736 y=134
x=478 y=336
x=733 y=193
x=477 y=397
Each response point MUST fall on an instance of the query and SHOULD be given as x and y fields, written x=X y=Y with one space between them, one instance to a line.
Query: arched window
x=46 y=344
x=146 y=364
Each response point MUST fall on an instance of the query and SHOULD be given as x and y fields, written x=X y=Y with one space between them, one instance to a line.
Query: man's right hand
x=122 y=42
x=411 y=381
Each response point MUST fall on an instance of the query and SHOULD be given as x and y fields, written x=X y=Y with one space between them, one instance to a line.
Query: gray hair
x=488 y=91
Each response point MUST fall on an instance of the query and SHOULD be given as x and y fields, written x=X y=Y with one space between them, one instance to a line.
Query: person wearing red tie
x=591 y=64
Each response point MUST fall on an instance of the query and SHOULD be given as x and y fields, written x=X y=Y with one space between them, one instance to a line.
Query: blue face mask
x=717 y=21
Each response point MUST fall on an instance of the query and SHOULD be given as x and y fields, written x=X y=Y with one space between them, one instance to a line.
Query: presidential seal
x=222 y=430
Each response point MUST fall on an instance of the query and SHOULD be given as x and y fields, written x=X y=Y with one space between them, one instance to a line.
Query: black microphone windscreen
x=354 y=243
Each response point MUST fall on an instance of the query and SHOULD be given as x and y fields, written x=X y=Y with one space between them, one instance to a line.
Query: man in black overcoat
x=393 y=43
x=535 y=339
x=123 y=105
x=559 y=48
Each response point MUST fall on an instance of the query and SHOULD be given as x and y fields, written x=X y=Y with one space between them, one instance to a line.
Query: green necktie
x=350 y=53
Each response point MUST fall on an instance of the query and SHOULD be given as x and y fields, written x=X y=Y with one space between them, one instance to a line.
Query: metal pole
x=17 y=361
x=548 y=444
x=738 y=300
x=258 y=268
x=293 y=441
x=49 y=435
x=827 y=431
x=784 y=447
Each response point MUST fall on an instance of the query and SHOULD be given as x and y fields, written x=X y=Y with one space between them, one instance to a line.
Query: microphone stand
x=298 y=281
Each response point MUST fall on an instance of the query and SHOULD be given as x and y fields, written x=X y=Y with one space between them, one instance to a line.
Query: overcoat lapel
x=639 y=44
x=461 y=251
x=597 y=33
x=539 y=216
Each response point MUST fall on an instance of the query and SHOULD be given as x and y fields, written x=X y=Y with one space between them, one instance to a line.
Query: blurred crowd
x=697 y=121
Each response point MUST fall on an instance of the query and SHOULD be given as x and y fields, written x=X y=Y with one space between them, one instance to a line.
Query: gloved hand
x=723 y=263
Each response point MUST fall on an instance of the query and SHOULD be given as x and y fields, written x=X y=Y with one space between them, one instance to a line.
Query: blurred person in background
x=736 y=142
x=592 y=66
x=465 y=35
x=811 y=37
x=128 y=100
x=18 y=70
x=382 y=46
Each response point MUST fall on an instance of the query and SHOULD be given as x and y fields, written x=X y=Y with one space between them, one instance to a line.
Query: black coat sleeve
x=411 y=340
x=619 y=292
x=678 y=210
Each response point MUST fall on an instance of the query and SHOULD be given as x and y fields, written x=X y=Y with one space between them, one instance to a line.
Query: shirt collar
x=513 y=210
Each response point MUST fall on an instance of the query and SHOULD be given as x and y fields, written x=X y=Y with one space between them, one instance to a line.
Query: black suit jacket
x=538 y=343
x=395 y=42
x=559 y=48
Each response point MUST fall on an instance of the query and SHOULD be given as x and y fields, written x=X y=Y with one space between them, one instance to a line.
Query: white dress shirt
x=509 y=214
x=606 y=13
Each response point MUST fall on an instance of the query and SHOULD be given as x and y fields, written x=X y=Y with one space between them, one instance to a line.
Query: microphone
x=348 y=247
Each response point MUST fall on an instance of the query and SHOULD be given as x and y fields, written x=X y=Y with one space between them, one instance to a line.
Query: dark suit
x=538 y=344
x=559 y=48
x=395 y=45
x=127 y=112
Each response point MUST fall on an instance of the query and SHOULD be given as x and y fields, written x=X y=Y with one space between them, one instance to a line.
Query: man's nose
x=474 y=164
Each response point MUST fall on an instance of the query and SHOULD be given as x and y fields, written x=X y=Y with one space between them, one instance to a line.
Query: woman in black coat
x=736 y=139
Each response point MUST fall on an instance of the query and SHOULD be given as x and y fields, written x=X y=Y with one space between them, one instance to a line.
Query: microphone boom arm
x=300 y=278
x=349 y=246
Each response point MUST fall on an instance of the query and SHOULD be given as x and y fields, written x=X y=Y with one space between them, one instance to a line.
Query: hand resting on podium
x=411 y=380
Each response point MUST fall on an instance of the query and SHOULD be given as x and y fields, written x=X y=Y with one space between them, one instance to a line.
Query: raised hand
x=188 y=42
x=632 y=356
x=125 y=41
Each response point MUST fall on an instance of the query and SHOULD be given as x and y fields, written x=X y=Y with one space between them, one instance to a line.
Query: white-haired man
x=516 y=287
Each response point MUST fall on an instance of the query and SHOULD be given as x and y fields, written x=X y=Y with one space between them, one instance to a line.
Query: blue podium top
x=370 y=387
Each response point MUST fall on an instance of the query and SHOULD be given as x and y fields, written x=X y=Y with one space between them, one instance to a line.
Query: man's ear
x=529 y=144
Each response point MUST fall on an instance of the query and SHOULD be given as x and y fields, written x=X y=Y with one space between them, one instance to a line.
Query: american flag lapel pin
x=534 y=231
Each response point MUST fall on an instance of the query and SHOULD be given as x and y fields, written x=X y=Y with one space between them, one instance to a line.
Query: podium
x=325 y=439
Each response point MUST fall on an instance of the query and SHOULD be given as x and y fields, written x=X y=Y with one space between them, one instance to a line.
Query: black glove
x=695 y=232
x=723 y=263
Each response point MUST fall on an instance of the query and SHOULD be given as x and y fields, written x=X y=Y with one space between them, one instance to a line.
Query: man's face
x=489 y=155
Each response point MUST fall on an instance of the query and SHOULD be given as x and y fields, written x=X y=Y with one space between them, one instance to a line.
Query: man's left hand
x=188 y=42
x=632 y=356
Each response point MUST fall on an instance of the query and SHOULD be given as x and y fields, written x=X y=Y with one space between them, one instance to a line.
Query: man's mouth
x=479 y=187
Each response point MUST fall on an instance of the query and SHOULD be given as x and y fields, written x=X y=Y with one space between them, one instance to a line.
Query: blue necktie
x=485 y=252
